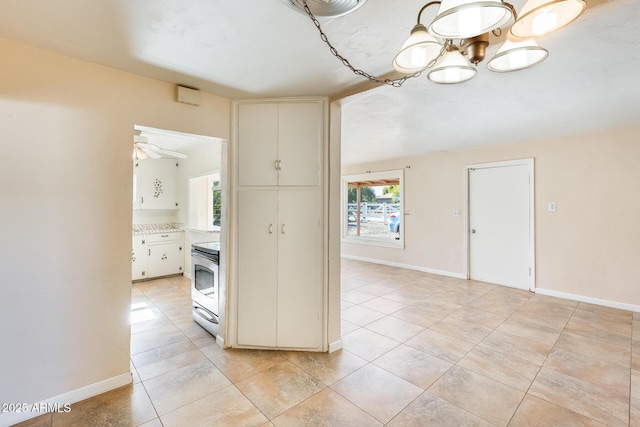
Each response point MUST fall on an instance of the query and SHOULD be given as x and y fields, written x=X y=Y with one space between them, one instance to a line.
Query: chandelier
x=458 y=36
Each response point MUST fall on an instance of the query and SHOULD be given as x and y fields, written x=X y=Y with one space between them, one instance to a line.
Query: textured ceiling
x=249 y=48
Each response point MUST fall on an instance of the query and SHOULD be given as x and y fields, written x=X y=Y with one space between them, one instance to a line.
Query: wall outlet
x=552 y=206
x=456 y=213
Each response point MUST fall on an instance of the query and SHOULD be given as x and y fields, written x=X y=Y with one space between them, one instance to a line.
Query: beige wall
x=589 y=248
x=65 y=203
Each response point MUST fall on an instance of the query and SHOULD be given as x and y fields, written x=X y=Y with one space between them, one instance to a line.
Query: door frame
x=529 y=162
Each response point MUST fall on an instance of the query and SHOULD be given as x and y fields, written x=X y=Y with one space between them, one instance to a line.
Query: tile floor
x=419 y=350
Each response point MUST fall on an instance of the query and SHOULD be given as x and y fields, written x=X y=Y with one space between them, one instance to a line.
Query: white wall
x=589 y=248
x=65 y=203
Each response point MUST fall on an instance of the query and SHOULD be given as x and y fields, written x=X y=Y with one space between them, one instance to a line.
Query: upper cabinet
x=280 y=143
x=155 y=184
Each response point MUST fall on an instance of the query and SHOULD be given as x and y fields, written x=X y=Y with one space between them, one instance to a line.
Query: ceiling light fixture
x=463 y=27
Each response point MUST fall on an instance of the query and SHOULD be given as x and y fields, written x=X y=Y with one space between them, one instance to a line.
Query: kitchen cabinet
x=156 y=255
x=279 y=239
x=139 y=258
x=280 y=143
x=280 y=268
x=155 y=184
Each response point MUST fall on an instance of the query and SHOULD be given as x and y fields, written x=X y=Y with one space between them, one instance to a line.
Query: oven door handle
x=205 y=315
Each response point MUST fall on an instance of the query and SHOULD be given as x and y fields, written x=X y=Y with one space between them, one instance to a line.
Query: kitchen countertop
x=157 y=228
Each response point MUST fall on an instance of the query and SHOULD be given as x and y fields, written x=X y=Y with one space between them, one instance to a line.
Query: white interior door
x=501 y=223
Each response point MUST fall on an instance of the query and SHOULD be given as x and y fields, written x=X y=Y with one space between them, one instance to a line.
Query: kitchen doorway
x=500 y=226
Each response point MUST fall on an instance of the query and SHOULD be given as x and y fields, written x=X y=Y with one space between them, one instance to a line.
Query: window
x=205 y=201
x=372 y=208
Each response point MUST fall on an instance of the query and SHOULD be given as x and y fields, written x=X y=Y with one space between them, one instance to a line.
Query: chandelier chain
x=345 y=61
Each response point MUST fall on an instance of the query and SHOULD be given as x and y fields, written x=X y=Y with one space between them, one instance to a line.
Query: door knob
x=473 y=231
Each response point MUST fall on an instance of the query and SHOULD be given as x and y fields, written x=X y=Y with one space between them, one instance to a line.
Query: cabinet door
x=300 y=137
x=138 y=258
x=257 y=267
x=257 y=144
x=165 y=259
x=157 y=184
x=300 y=272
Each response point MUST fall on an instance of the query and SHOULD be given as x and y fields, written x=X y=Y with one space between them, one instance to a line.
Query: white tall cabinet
x=280 y=265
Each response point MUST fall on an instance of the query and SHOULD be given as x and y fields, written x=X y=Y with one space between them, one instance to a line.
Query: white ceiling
x=249 y=48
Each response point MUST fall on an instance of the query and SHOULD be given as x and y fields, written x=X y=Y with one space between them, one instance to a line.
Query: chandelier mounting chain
x=391 y=82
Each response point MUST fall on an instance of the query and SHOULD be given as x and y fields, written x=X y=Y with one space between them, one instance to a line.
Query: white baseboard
x=335 y=346
x=590 y=300
x=62 y=401
x=407 y=266
x=220 y=341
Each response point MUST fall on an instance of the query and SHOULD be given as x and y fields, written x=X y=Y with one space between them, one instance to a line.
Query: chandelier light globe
x=452 y=68
x=460 y=19
x=516 y=55
x=418 y=52
x=540 y=17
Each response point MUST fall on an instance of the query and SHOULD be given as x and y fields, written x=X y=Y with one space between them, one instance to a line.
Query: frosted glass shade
x=461 y=19
x=516 y=55
x=420 y=49
x=452 y=68
x=539 y=17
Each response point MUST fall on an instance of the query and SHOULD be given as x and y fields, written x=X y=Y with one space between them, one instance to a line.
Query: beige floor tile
x=326 y=408
x=583 y=397
x=479 y=317
x=525 y=349
x=635 y=355
x=238 y=364
x=609 y=332
x=347 y=327
x=430 y=410
x=357 y=296
x=500 y=308
x=154 y=338
x=634 y=402
x=184 y=385
x=488 y=399
x=594 y=348
x=127 y=405
x=361 y=315
x=460 y=329
x=368 y=344
x=379 y=289
x=421 y=316
x=384 y=305
x=153 y=423
x=457 y=298
x=327 y=367
x=525 y=328
x=165 y=359
x=378 y=392
x=43 y=420
x=279 y=388
x=224 y=408
x=534 y=412
x=511 y=369
x=413 y=365
x=395 y=328
x=440 y=345
x=589 y=369
x=345 y=304
x=546 y=300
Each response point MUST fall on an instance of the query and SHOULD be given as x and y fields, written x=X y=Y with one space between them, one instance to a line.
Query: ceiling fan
x=142 y=149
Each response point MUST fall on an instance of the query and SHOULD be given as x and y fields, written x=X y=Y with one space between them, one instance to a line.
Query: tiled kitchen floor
x=419 y=350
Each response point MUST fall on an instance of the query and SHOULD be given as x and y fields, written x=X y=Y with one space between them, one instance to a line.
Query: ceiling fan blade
x=171 y=153
x=148 y=150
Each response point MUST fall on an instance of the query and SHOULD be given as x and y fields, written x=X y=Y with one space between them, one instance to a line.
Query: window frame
x=344 y=208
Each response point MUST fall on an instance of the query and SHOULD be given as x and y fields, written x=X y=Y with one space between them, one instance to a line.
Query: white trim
x=532 y=210
x=220 y=341
x=335 y=346
x=590 y=300
x=73 y=396
x=407 y=266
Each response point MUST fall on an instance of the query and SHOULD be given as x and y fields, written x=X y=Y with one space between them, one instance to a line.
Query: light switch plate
x=552 y=206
